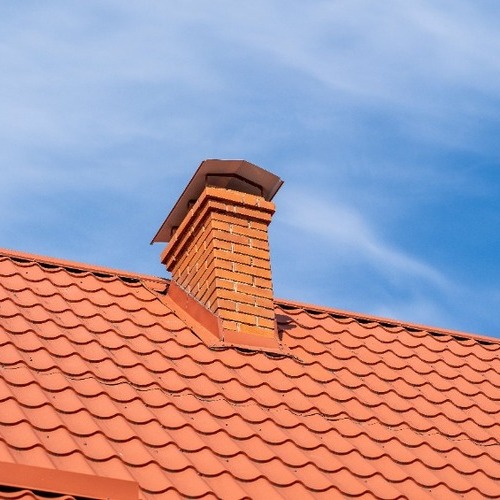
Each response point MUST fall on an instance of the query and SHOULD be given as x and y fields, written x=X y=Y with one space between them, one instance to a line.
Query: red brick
x=264 y=302
x=252 y=252
x=234 y=277
x=223 y=245
x=229 y=305
x=253 y=290
x=263 y=263
x=253 y=271
x=261 y=226
x=232 y=219
x=261 y=244
x=196 y=257
x=232 y=257
x=231 y=237
x=224 y=264
x=204 y=276
x=256 y=330
x=262 y=283
x=262 y=312
x=231 y=325
x=249 y=214
x=239 y=297
x=265 y=322
x=250 y=233
x=237 y=317
x=222 y=225
x=239 y=198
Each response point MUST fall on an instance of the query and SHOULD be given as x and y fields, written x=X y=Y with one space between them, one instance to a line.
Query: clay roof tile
x=100 y=376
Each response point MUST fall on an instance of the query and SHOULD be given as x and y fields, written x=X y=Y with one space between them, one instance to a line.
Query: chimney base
x=208 y=327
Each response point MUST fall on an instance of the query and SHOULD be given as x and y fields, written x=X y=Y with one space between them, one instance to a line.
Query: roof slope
x=99 y=376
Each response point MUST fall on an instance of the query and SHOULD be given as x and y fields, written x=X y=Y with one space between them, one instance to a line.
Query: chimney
x=218 y=249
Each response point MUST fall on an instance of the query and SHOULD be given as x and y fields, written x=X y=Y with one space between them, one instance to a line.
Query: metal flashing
x=53 y=481
x=239 y=175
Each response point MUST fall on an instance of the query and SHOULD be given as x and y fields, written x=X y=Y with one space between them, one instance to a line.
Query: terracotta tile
x=460 y=483
x=367 y=408
x=10 y=356
x=6 y=391
x=189 y=403
x=486 y=402
x=136 y=375
x=288 y=452
x=381 y=488
x=48 y=419
x=113 y=468
x=348 y=483
x=225 y=486
x=20 y=436
x=223 y=444
x=234 y=425
x=408 y=436
x=477 y=377
x=253 y=413
x=470 y=465
x=153 y=480
x=168 y=415
x=115 y=428
x=8 y=308
x=14 y=283
x=242 y=468
x=16 y=324
x=315 y=479
x=431 y=457
x=6 y=456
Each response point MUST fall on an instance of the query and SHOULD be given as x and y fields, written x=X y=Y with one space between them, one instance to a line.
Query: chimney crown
x=237 y=175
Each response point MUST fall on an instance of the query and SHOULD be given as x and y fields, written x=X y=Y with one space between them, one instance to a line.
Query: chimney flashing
x=209 y=329
x=238 y=175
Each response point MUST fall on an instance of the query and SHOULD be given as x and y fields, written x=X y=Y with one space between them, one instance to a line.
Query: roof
x=100 y=376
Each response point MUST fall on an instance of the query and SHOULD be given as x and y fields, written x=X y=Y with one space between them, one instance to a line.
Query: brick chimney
x=218 y=249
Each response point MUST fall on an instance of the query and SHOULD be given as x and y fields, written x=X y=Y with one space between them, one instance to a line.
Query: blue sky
x=383 y=118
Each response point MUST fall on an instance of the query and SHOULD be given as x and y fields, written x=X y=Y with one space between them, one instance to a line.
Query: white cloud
x=347 y=231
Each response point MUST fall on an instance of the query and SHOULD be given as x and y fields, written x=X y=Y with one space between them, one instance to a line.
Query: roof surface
x=99 y=376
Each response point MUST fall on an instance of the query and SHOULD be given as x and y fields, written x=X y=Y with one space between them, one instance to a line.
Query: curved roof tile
x=100 y=376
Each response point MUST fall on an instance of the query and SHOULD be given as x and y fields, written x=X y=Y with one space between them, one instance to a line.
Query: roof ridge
x=80 y=266
x=432 y=330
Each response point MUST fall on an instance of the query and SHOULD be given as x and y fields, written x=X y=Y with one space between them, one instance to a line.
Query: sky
x=382 y=118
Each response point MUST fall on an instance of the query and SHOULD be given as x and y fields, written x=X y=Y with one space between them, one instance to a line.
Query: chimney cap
x=239 y=175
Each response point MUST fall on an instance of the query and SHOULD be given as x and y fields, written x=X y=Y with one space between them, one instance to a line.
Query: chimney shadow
x=285 y=323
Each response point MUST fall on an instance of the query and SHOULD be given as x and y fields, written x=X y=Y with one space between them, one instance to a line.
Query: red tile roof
x=99 y=376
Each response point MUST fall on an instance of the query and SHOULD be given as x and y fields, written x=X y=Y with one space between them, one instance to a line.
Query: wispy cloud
x=344 y=228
